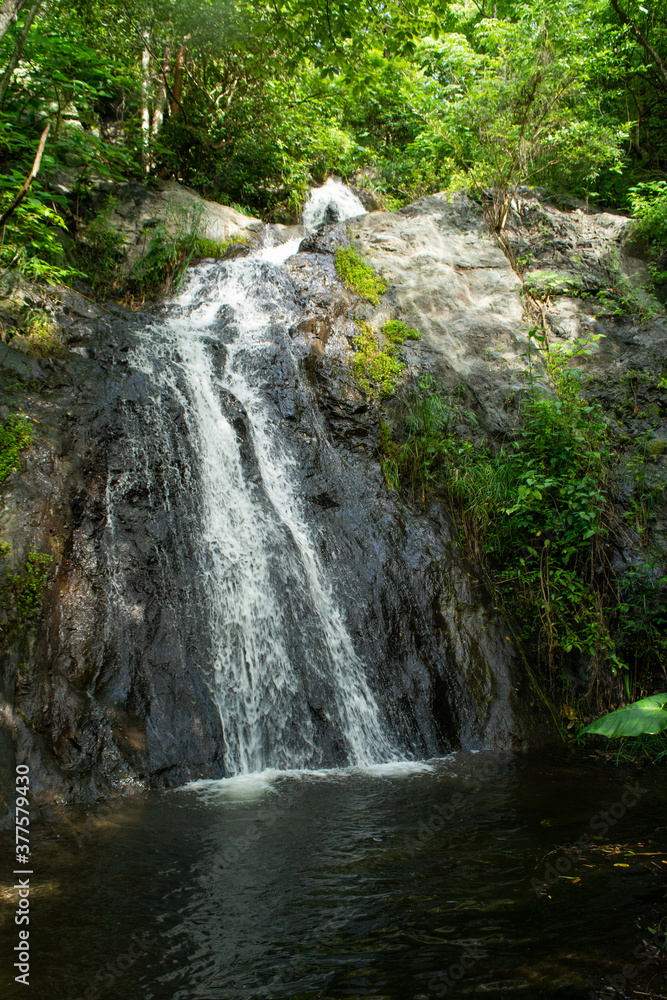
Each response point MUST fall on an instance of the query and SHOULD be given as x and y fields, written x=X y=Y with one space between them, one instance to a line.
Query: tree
x=18 y=49
x=9 y=10
x=517 y=102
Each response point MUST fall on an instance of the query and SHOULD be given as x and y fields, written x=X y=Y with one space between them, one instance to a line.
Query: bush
x=99 y=254
x=539 y=515
x=397 y=331
x=30 y=592
x=649 y=207
x=167 y=258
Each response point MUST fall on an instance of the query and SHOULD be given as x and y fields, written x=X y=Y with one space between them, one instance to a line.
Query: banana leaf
x=646 y=716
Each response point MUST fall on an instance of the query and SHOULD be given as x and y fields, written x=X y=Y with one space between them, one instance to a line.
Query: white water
x=333 y=202
x=282 y=669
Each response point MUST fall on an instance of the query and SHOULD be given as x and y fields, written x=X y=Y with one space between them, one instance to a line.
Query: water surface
x=402 y=881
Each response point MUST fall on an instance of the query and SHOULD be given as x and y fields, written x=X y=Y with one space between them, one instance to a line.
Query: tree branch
x=8 y=12
x=642 y=39
x=31 y=176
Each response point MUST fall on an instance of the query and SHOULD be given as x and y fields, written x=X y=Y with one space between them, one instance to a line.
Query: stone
x=97 y=714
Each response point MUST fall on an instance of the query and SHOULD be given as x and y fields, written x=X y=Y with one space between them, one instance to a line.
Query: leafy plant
x=43 y=335
x=397 y=331
x=30 y=591
x=649 y=207
x=539 y=514
x=99 y=253
x=21 y=593
x=649 y=715
x=513 y=102
x=162 y=267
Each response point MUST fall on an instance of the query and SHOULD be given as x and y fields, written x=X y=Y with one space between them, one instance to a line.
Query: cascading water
x=333 y=202
x=290 y=689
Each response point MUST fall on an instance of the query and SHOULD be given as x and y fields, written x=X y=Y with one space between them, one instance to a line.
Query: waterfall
x=333 y=202
x=280 y=662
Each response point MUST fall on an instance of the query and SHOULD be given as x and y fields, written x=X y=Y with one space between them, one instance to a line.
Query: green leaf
x=645 y=716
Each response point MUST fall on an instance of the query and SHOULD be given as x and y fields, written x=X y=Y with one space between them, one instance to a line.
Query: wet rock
x=105 y=695
x=325 y=239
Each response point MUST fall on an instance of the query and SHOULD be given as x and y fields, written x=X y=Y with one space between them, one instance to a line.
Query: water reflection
x=395 y=883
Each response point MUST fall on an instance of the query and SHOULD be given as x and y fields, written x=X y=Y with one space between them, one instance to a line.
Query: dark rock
x=109 y=692
x=325 y=239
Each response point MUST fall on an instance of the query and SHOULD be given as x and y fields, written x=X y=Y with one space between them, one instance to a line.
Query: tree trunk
x=145 y=112
x=177 y=93
x=161 y=98
x=18 y=49
x=8 y=11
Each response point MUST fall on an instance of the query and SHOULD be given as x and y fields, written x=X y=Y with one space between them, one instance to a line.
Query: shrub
x=99 y=254
x=30 y=592
x=649 y=207
x=539 y=515
x=163 y=266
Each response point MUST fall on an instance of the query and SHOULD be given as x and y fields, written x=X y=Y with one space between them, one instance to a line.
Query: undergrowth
x=162 y=268
x=375 y=367
x=29 y=591
x=397 y=331
x=540 y=515
x=100 y=255
x=634 y=749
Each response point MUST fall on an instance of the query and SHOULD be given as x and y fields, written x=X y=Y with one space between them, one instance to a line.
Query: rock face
x=453 y=283
x=96 y=708
x=135 y=210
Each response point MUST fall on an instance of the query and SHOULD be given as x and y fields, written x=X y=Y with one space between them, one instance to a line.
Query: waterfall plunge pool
x=397 y=881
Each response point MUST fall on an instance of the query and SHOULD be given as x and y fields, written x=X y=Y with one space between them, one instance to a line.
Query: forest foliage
x=250 y=103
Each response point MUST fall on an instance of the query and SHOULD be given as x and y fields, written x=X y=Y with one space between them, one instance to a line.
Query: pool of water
x=417 y=881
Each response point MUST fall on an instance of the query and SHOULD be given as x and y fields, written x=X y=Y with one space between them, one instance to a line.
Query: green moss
x=29 y=597
x=376 y=369
x=397 y=331
x=15 y=435
x=359 y=276
x=656 y=447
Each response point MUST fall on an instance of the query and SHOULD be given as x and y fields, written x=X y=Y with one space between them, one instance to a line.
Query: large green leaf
x=646 y=716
